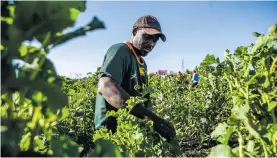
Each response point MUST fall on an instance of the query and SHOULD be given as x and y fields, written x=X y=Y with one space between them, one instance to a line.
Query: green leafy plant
x=194 y=111
x=78 y=124
x=251 y=76
x=135 y=137
x=32 y=101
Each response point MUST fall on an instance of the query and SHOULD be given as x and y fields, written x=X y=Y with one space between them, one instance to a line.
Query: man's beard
x=141 y=52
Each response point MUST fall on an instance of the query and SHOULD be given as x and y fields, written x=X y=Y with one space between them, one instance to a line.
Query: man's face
x=144 y=42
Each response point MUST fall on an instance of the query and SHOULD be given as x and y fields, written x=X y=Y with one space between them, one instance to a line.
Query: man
x=179 y=74
x=194 y=79
x=124 y=74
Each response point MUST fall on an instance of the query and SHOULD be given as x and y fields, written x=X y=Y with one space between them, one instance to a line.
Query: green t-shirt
x=122 y=66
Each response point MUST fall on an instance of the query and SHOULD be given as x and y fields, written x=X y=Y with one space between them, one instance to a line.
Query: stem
x=42 y=60
x=274 y=143
x=31 y=146
x=265 y=152
x=273 y=116
x=272 y=69
x=240 y=145
x=84 y=120
x=247 y=153
x=256 y=135
x=34 y=74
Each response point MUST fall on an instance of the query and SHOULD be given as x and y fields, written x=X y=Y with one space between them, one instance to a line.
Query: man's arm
x=112 y=92
x=117 y=97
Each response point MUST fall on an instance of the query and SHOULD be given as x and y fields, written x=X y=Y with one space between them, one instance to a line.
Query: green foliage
x=32 y=101
x=135 y=137
x=78 y=124
x=172 y=100
x=251 y=77
x=101 y=147
x=231 y=113
x=194 y=112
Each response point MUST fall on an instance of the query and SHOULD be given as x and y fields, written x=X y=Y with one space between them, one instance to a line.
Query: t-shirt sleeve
x=116 y=62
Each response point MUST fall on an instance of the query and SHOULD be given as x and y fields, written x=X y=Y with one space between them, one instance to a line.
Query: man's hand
x=164 y=128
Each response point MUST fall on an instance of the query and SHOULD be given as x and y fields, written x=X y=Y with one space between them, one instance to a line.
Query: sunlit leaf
x=25 y=141
x=74 y=13
x=273 y=30
x=220 y=151
x=272 y=105
x=65 y=113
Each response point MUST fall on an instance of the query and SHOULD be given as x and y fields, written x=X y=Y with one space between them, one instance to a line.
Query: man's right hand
x=164 y=128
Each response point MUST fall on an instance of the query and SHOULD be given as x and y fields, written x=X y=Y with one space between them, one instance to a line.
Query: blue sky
x=193 y=29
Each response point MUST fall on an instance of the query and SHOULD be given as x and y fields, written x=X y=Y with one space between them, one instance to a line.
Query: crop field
x=232 y=112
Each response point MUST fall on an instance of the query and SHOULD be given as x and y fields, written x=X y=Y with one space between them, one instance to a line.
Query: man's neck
x=136 y=50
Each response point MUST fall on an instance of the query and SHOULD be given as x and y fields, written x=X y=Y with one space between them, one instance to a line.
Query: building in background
x=162 y=72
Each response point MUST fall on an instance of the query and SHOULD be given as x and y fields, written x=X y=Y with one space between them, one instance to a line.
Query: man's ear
x=135 y=31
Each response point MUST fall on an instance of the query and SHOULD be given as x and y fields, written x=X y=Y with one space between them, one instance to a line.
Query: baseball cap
x=150 y=25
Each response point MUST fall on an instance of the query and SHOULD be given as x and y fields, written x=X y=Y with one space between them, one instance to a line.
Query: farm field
x=232 y=112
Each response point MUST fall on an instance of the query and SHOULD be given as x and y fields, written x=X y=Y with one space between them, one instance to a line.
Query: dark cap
x=150 y=25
